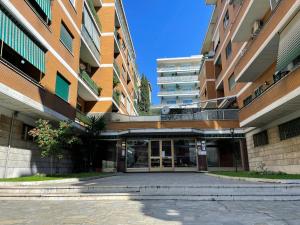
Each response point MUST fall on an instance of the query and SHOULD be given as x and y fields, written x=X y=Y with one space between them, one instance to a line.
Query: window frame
x=71 y=35
x=260 y=139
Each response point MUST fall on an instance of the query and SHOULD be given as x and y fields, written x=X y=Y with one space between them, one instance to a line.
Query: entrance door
x=161 y=156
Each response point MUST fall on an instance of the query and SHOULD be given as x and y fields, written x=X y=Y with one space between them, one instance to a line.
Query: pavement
x=149 y=212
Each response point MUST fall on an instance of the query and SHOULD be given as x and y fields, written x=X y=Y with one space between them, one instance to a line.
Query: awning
x=289 y=44
x=15 y=38
x=45 y=5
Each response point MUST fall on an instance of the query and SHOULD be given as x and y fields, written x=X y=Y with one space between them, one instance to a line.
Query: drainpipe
x=14 y=114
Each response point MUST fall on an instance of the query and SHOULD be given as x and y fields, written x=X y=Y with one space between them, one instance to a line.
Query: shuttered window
x=15 y=37
x=261 y=139
x=289 y=45
x=66 y=37
x=62 y=87
x=45 y=6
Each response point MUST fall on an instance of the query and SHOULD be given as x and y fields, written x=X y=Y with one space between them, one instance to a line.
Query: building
x=252 y=63
x=60 y=60
x=178 y=81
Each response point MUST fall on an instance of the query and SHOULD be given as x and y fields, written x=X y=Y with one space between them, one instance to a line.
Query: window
x=66 y=37
x=42 y=8
x=171 y=102
x=62 y=87
x=228 y=50
x=218 y=67
x=290 y=129
x=25 y=136
x=123 y=99
x=187 y=101
x=226 y=20
x=231 y=82
x=261 y=138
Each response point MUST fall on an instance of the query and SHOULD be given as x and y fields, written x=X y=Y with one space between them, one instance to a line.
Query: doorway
x=161 y=155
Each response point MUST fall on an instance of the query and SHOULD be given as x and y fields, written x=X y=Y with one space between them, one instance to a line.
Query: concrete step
x=211 y=190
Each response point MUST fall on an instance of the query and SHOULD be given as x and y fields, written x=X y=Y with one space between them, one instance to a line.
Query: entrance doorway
x=161 y=155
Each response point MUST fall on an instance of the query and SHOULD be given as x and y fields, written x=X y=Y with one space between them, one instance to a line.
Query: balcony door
x=161 y=155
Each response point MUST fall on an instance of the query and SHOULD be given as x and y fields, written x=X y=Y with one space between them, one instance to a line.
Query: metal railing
x=90 y=43
x=177 y=79
x=90 y=83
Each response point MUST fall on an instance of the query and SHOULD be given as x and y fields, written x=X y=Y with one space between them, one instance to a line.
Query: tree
x=54 y=142
x=144 y=101
x=91 y=136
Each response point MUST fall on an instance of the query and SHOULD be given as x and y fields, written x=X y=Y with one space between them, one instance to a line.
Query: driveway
x=161 y=179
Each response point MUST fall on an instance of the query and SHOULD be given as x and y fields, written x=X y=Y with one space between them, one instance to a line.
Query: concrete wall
x=23 y=158
x=277 y=155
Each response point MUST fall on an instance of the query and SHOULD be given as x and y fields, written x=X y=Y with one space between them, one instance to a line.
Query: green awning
x=15 y=38
x=45 y=5
x=289 y=45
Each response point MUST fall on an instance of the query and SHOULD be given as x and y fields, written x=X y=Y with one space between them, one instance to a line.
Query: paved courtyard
x=149 y=213
x=161 y=179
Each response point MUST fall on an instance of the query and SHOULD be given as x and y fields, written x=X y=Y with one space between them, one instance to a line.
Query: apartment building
x=60 y=60
x=252 y=63
x=178 y=81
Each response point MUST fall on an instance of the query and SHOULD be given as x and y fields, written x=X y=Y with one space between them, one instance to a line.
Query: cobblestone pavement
x=149 y=213
x=160 y=179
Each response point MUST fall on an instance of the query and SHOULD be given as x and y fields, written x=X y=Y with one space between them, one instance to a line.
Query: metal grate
x=261 y=138
x=290 y=129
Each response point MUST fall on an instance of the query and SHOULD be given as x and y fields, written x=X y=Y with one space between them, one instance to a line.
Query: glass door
x=166 y=155
x=161 y=155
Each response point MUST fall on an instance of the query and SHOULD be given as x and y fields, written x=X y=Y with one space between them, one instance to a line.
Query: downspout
x=14 y=114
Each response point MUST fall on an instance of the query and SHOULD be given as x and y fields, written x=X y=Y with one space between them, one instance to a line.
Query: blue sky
x=165 y=28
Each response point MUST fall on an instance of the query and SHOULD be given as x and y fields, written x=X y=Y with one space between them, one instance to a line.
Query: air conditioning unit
x=256 y=27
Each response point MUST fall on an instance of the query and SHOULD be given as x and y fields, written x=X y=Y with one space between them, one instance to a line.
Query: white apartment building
x=178 y=81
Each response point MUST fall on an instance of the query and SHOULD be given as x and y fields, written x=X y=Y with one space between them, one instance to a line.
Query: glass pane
x=155 y=163
x=137 y=154
x=166 y=149
x=185 y=153
x=155 y=148
x=167 y=162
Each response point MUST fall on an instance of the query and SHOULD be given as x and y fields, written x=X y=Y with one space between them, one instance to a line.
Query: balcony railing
x=220 y=114
x=90 y=43
x=93 y=11
x=178 y=68
x=116 y=97
x=117 y=68
x=92 y=85
x=179 y=92
x=177 y=79
x=264 y=87
x=82 y=118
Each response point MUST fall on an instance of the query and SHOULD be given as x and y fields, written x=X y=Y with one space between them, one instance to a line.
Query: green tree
x=54 y=141
x=144 y=101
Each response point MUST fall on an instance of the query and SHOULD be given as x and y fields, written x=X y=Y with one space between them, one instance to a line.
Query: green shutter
x=45 y=5
x=289 y=44
x=66 y=37
x=62 y=87
x=14 y=37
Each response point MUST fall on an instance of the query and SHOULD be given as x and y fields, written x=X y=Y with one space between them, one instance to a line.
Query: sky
x=165 y=28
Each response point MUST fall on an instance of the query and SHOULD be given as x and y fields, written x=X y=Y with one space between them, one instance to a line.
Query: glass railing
x=116 y=97
x=90 y=42
x=93 y=11
x=92 y=85
x=82 y=118
x=177 y=79
x=117 y=68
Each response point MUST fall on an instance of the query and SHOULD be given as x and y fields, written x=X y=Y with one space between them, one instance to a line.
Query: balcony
x=92 y=85
x=91 y=6
x=116 y=97
x=178 y=93
x=82 y=118
x=117 y=68
x=177 y=79
x=270 y=102
x=262 y=49
x=178 y=69
x=89 y=52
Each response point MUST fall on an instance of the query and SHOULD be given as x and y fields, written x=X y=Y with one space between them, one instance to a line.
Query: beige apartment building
x=252 y=63
x=60 y=60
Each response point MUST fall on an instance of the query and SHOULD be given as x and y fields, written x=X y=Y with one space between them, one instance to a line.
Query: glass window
x=187 y=101
x=62 y=87
x=171 y=102
x=137 y=154
x=226 y=20
x=185 y=153
x=290 y=129
x=228 y=50
x=261 y=138
x=231 y=82
x=66 y=37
